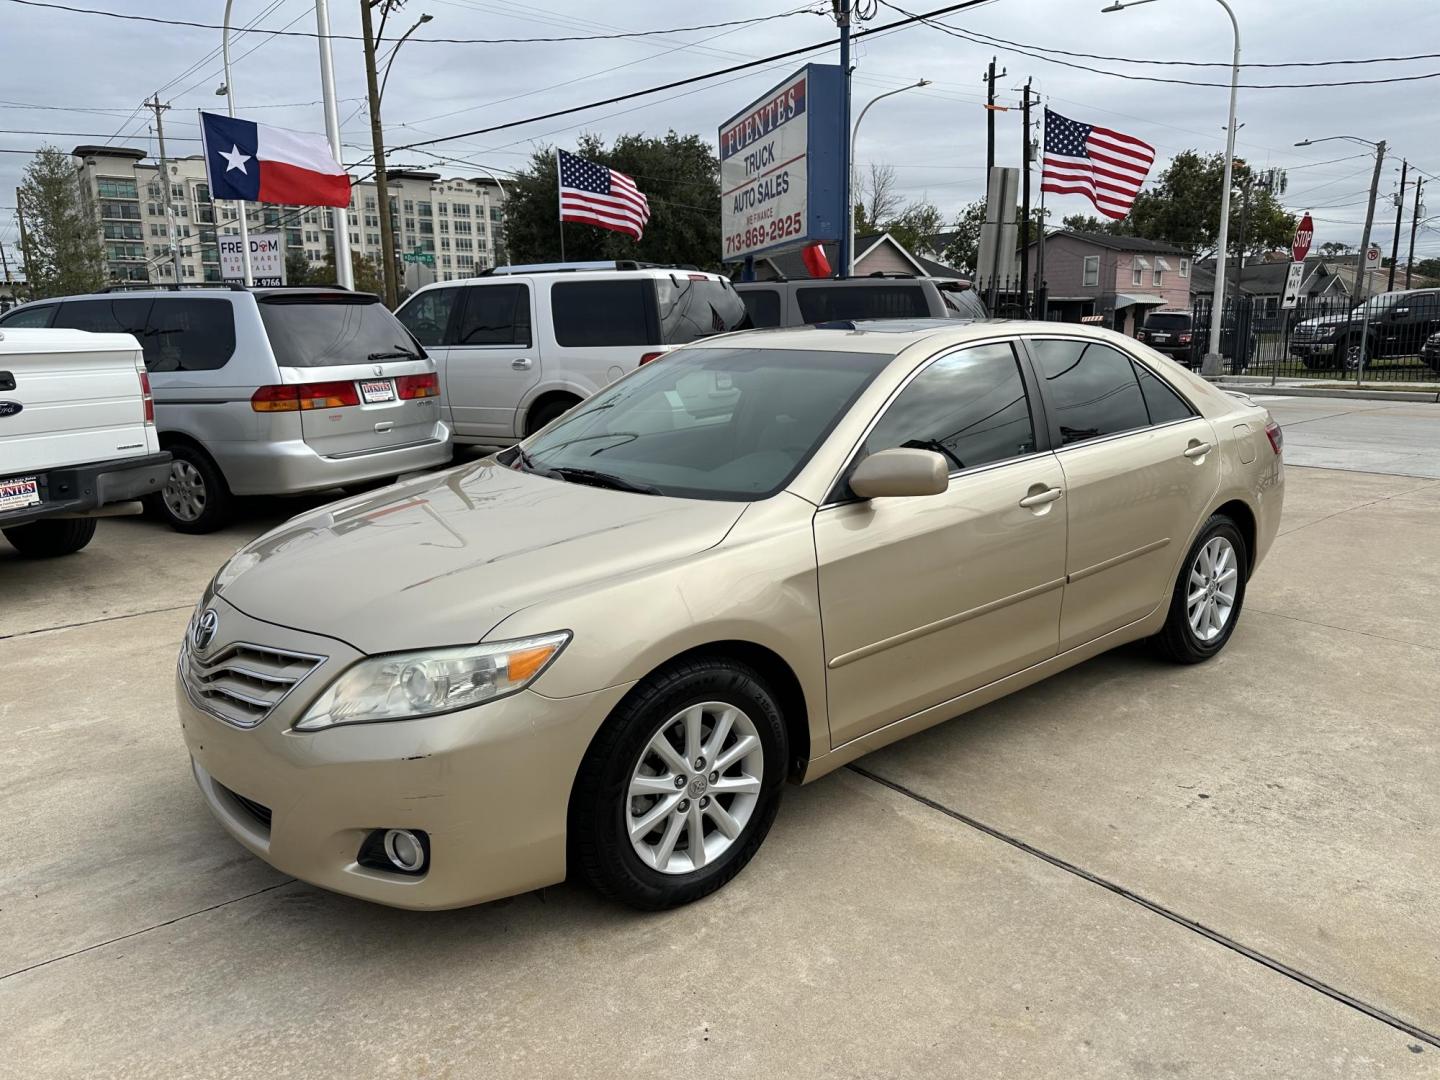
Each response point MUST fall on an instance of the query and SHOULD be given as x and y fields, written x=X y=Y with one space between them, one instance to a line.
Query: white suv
x=520 y=345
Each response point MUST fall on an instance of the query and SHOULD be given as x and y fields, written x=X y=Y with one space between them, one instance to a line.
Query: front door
x=1140 y=468
x=493 y=361
x=925 y=598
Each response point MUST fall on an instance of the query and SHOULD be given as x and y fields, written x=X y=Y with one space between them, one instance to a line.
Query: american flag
x=1099 y=163
x=595 y=195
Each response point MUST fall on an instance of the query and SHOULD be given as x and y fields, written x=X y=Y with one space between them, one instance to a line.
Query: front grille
x=258 y=811
x=242 y=683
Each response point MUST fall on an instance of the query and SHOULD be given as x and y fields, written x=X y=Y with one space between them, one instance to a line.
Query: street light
x=1210 y=365
x=418 y=23
x=228 y=89
x=855 y=134
x=1361 y=278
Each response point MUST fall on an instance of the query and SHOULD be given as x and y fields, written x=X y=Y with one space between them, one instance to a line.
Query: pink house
x=1113 y=280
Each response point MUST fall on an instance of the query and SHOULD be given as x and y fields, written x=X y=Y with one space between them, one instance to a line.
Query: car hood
x=442 y=559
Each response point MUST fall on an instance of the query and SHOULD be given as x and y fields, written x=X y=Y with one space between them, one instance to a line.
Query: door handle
x=1198 y=450
x=521 y=363
x=1040 y=498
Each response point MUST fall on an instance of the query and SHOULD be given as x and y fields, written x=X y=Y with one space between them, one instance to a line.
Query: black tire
x=1347 y=353
x=1177 y=640
x=216 y=502
x=599 y=840
x=548 y=411
x=46 y=539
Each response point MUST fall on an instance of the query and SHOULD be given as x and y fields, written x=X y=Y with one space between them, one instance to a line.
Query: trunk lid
x=358 y=364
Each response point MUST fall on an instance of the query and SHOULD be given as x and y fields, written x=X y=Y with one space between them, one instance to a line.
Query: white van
x=519 y=346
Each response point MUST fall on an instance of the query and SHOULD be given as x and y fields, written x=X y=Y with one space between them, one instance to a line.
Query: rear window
x=691 y=308
x=327 y=331
x=598 y=314
x=189 y=334
x=1167 y=322
x=827 y=303
x=762 y=305
x=963 y=304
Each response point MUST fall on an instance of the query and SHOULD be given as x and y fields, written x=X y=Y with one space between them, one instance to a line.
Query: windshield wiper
x=601 y=479
x=395 y=354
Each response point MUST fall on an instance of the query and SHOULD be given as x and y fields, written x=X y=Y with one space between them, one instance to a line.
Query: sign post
x=267 y=258
x=781 y=182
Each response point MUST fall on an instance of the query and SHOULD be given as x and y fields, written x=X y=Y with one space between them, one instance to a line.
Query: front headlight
x=403 y=686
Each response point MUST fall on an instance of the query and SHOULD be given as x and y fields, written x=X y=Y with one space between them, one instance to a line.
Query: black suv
x=1388 y=324
x=1169 y=332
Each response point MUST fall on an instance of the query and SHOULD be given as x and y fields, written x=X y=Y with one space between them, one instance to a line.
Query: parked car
x=879 y=296
x=1388 y=324
x=1170 y=333
x=520 y=345
x=1430 y=353
x=605 y=650
x=77 y=436
x=269 y=391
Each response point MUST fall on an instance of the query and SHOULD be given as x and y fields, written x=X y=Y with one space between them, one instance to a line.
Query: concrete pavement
x=1224 y=870
x=1396 y=438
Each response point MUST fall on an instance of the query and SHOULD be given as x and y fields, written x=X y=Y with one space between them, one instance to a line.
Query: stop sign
x=1303 y=235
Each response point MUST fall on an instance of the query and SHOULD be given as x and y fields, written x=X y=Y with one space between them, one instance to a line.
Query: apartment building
x=461 y=222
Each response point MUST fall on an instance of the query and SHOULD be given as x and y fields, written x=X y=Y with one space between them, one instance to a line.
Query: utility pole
x=24 y=247
x=990 y=110
x=1247 y=185
x=1362 y=279
x=1414 y=224
x=159 y=110
x=1025 y=201
x=1399 y=219
x=377 y=138
x=4 y=264
x=841 y=10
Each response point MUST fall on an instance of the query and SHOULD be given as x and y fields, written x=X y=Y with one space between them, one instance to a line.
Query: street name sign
x=780 y=172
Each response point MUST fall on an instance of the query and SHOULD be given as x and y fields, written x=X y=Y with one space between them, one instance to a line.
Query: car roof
x=894 y=336
x=574 y=275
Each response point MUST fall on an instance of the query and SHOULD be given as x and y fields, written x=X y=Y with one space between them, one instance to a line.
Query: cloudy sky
x=82 y=76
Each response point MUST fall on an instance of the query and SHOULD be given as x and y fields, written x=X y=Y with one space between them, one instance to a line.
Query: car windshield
x=706 y=423
x=327 y=330
x=1377 y=304
x=1167 y=322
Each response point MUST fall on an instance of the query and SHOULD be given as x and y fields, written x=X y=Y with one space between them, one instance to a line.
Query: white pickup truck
x=77 y=436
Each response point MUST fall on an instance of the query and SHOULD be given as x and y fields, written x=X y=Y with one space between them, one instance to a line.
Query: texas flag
x=259 y=163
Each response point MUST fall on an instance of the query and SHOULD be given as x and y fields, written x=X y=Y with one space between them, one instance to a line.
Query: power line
x=965 y=36
x=431 y=41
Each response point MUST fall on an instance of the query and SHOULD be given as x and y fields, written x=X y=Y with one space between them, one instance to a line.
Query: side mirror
x=899 y=472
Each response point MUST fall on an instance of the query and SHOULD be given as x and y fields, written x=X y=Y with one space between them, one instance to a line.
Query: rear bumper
x=80 y=489
x=292 y=466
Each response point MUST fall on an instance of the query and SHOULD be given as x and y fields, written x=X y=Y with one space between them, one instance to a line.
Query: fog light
x=404 y=850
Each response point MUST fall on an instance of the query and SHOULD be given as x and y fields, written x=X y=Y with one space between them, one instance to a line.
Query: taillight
x=418 y=386
x=1275 y=435
x=147 y=398
x=306 y=396
x=645 y=358
x=1184 y=339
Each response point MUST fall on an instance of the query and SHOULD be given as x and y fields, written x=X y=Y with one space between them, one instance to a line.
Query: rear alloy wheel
x=45 y=539
x=1206 y=601
x=195 y=498
x=680 y=786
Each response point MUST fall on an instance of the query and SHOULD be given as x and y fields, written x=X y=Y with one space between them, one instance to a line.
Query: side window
x=970 y=407
x=825 y=303
x=762 y=305
x=30 y=318
x=603 y=313
x=1162 y=403
x=495 y=315
x=1093 y=388
x=113 y=316
x=427 y=316
x=189 y=334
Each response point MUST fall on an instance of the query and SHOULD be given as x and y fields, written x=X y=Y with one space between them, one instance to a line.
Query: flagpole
x=1043 y=307
x=560 y=204
x=247 y=275
x=344 y=272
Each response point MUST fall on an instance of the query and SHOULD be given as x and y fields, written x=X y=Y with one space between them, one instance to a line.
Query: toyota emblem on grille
x=203 y=632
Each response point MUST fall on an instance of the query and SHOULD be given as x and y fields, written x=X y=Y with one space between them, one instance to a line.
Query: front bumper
x=490 y=785
x=292 y=466
x=81 y=489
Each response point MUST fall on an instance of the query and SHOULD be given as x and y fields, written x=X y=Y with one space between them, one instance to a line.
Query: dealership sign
x=780 y=182
x=267 y=258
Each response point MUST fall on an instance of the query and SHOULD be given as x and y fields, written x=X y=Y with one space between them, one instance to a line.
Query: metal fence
x=1322 y=338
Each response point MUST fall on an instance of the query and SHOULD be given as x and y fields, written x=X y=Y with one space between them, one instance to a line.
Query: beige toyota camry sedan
x=605 y=651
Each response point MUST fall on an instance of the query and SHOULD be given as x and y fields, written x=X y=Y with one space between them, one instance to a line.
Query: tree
x=679 y=175
x=1183 y=208
x=879 y=204
x=62 y=246
x=1335 y=247
x=297 y=268
x=1089 y=223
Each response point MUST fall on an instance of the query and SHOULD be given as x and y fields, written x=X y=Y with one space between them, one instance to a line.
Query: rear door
x=357 y=368
x=600 y=330
x=492 y=361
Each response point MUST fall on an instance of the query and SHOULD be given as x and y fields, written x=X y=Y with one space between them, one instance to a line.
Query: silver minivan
x=269 y=391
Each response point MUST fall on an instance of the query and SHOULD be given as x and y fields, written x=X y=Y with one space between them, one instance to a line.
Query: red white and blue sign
x=253 y=162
